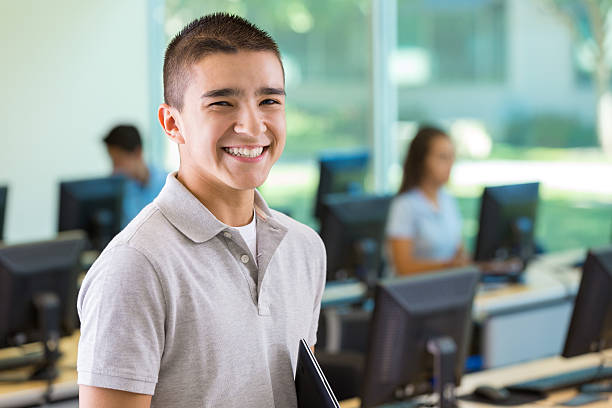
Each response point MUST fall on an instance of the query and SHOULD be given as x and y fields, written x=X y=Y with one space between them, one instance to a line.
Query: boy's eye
x=220 y=103
x=269 y=102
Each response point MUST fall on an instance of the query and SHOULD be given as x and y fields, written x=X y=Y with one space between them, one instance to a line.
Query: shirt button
x=227 y=234
x=244 y=259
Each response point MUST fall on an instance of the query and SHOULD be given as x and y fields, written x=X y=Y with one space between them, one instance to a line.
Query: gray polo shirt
x=176 y=307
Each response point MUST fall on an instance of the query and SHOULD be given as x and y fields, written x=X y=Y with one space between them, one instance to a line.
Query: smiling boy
x=202 y=299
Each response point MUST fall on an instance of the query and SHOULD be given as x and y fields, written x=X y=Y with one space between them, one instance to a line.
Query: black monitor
x=38 y=292
x=92 y=205
x=3 y=196
x=353 y=230
x=590 y=328
x=507 y=222
x=419 y=336
x=341 y=173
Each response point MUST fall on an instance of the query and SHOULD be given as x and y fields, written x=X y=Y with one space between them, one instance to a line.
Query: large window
x=499 y=75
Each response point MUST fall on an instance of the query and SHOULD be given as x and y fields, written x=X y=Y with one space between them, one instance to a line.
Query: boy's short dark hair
x=125 y=137
x=213 y=33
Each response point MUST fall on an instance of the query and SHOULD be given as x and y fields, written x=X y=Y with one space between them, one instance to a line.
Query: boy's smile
x=248 y=153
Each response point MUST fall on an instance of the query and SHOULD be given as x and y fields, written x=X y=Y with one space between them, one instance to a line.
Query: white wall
x=70 y=70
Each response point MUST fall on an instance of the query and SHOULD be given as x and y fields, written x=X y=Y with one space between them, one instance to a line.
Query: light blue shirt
x=136 y=196
x=435 y=232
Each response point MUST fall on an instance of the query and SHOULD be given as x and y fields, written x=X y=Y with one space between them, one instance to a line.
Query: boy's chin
x=243 y=185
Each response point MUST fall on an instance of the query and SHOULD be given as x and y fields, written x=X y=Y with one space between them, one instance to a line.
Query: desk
x=522 y=372
x=65 y=386
x=529 y=321
x=519 y=322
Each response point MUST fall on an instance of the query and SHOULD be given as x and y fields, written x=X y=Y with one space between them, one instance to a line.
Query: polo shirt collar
x=191 y=217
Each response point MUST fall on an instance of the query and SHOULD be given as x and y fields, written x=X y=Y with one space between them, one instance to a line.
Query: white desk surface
x=548 y=278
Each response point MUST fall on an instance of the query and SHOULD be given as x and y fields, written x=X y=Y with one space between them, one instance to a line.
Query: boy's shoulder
x=140 y=238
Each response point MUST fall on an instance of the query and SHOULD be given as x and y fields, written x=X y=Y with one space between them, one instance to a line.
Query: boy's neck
x=231 y=207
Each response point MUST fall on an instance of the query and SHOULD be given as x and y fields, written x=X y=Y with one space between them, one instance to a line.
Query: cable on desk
x=602 y=365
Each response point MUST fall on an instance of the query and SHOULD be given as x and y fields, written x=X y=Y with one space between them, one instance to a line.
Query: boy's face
x=232 y=124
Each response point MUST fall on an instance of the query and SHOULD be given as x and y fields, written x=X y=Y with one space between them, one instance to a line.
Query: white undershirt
x=249 y=235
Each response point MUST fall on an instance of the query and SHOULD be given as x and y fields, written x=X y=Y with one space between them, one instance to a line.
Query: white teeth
x=244 y=151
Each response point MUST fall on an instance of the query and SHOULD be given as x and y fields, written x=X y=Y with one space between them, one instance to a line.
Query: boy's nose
x=249 y=123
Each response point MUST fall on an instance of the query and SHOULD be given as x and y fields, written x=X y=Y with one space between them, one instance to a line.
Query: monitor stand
x=444 y=351
x=523 y=235
x=47 y=307
x=368 y=254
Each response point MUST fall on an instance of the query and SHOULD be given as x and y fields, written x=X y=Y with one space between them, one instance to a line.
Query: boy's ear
x=168 y=119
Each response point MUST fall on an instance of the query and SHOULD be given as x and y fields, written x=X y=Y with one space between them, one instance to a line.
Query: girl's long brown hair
x=414 y=164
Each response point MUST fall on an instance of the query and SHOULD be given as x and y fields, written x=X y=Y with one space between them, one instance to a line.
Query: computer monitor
x=341 y=172
x=353 y=230
x=590 y=328
x=3 y=196
x=507 y=222
x=38 y=292
x=92 y=205
x=419 y=336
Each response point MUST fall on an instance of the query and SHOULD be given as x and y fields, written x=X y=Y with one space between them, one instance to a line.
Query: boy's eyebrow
x=271 y=91
x=216 y=93
x=221 y=92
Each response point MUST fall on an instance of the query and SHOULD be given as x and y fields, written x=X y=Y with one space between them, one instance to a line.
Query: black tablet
x=312 y=389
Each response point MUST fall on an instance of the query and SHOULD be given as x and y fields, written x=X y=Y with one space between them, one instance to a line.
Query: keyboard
x=402 y=404
x=566 y=380
x=21 y=361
